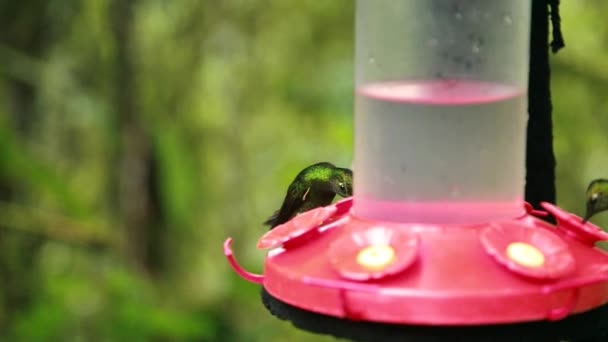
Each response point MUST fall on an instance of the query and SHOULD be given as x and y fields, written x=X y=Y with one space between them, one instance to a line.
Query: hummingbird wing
x=294 y=199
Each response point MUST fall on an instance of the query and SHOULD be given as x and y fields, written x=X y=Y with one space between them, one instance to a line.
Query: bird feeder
x=437 y=239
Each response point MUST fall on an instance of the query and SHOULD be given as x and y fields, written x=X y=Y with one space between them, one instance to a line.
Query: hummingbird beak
x=588 y=215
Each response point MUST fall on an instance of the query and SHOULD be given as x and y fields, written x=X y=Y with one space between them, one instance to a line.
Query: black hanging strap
x=558 y=40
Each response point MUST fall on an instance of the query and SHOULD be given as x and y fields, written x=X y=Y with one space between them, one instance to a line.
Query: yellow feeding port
x=525 y=254
x=376 y=257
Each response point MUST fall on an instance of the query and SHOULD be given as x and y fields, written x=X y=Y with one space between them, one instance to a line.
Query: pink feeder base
x=331 y=262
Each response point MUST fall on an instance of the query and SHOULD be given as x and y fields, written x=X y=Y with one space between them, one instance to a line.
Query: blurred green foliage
x=136 y=135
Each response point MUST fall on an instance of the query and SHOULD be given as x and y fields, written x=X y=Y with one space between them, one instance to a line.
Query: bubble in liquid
x=458 y=16
x=455 y=191
x=477 y=43
x=507 y=19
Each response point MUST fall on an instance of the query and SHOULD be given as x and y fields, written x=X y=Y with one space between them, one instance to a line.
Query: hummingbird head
x=342 y=182
x=597 y=198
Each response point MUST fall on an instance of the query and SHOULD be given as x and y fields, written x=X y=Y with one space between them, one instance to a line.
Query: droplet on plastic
x=455 y=191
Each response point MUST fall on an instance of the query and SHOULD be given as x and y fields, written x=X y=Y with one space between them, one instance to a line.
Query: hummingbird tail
x=272 y=221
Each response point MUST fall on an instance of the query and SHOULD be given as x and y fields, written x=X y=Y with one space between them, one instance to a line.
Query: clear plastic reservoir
x=441 y=109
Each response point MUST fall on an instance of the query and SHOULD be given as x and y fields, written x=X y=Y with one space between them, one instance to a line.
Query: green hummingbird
x=597 y=198
x=315 y=186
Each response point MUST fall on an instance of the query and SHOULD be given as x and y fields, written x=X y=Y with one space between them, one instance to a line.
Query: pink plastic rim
x=301 y=225
x=454 y=91
x=347 y=254
x=558 y=260
x=573 y=225
x=531 y=211
x=433 y=289
x=252 y=277
x=343 y=206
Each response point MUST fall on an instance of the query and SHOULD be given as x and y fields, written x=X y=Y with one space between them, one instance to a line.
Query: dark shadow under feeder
x=588 y=326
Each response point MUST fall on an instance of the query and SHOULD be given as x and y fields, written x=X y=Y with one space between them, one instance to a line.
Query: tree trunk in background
x=23 y=29
x=540 y=160
x=137 y=185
